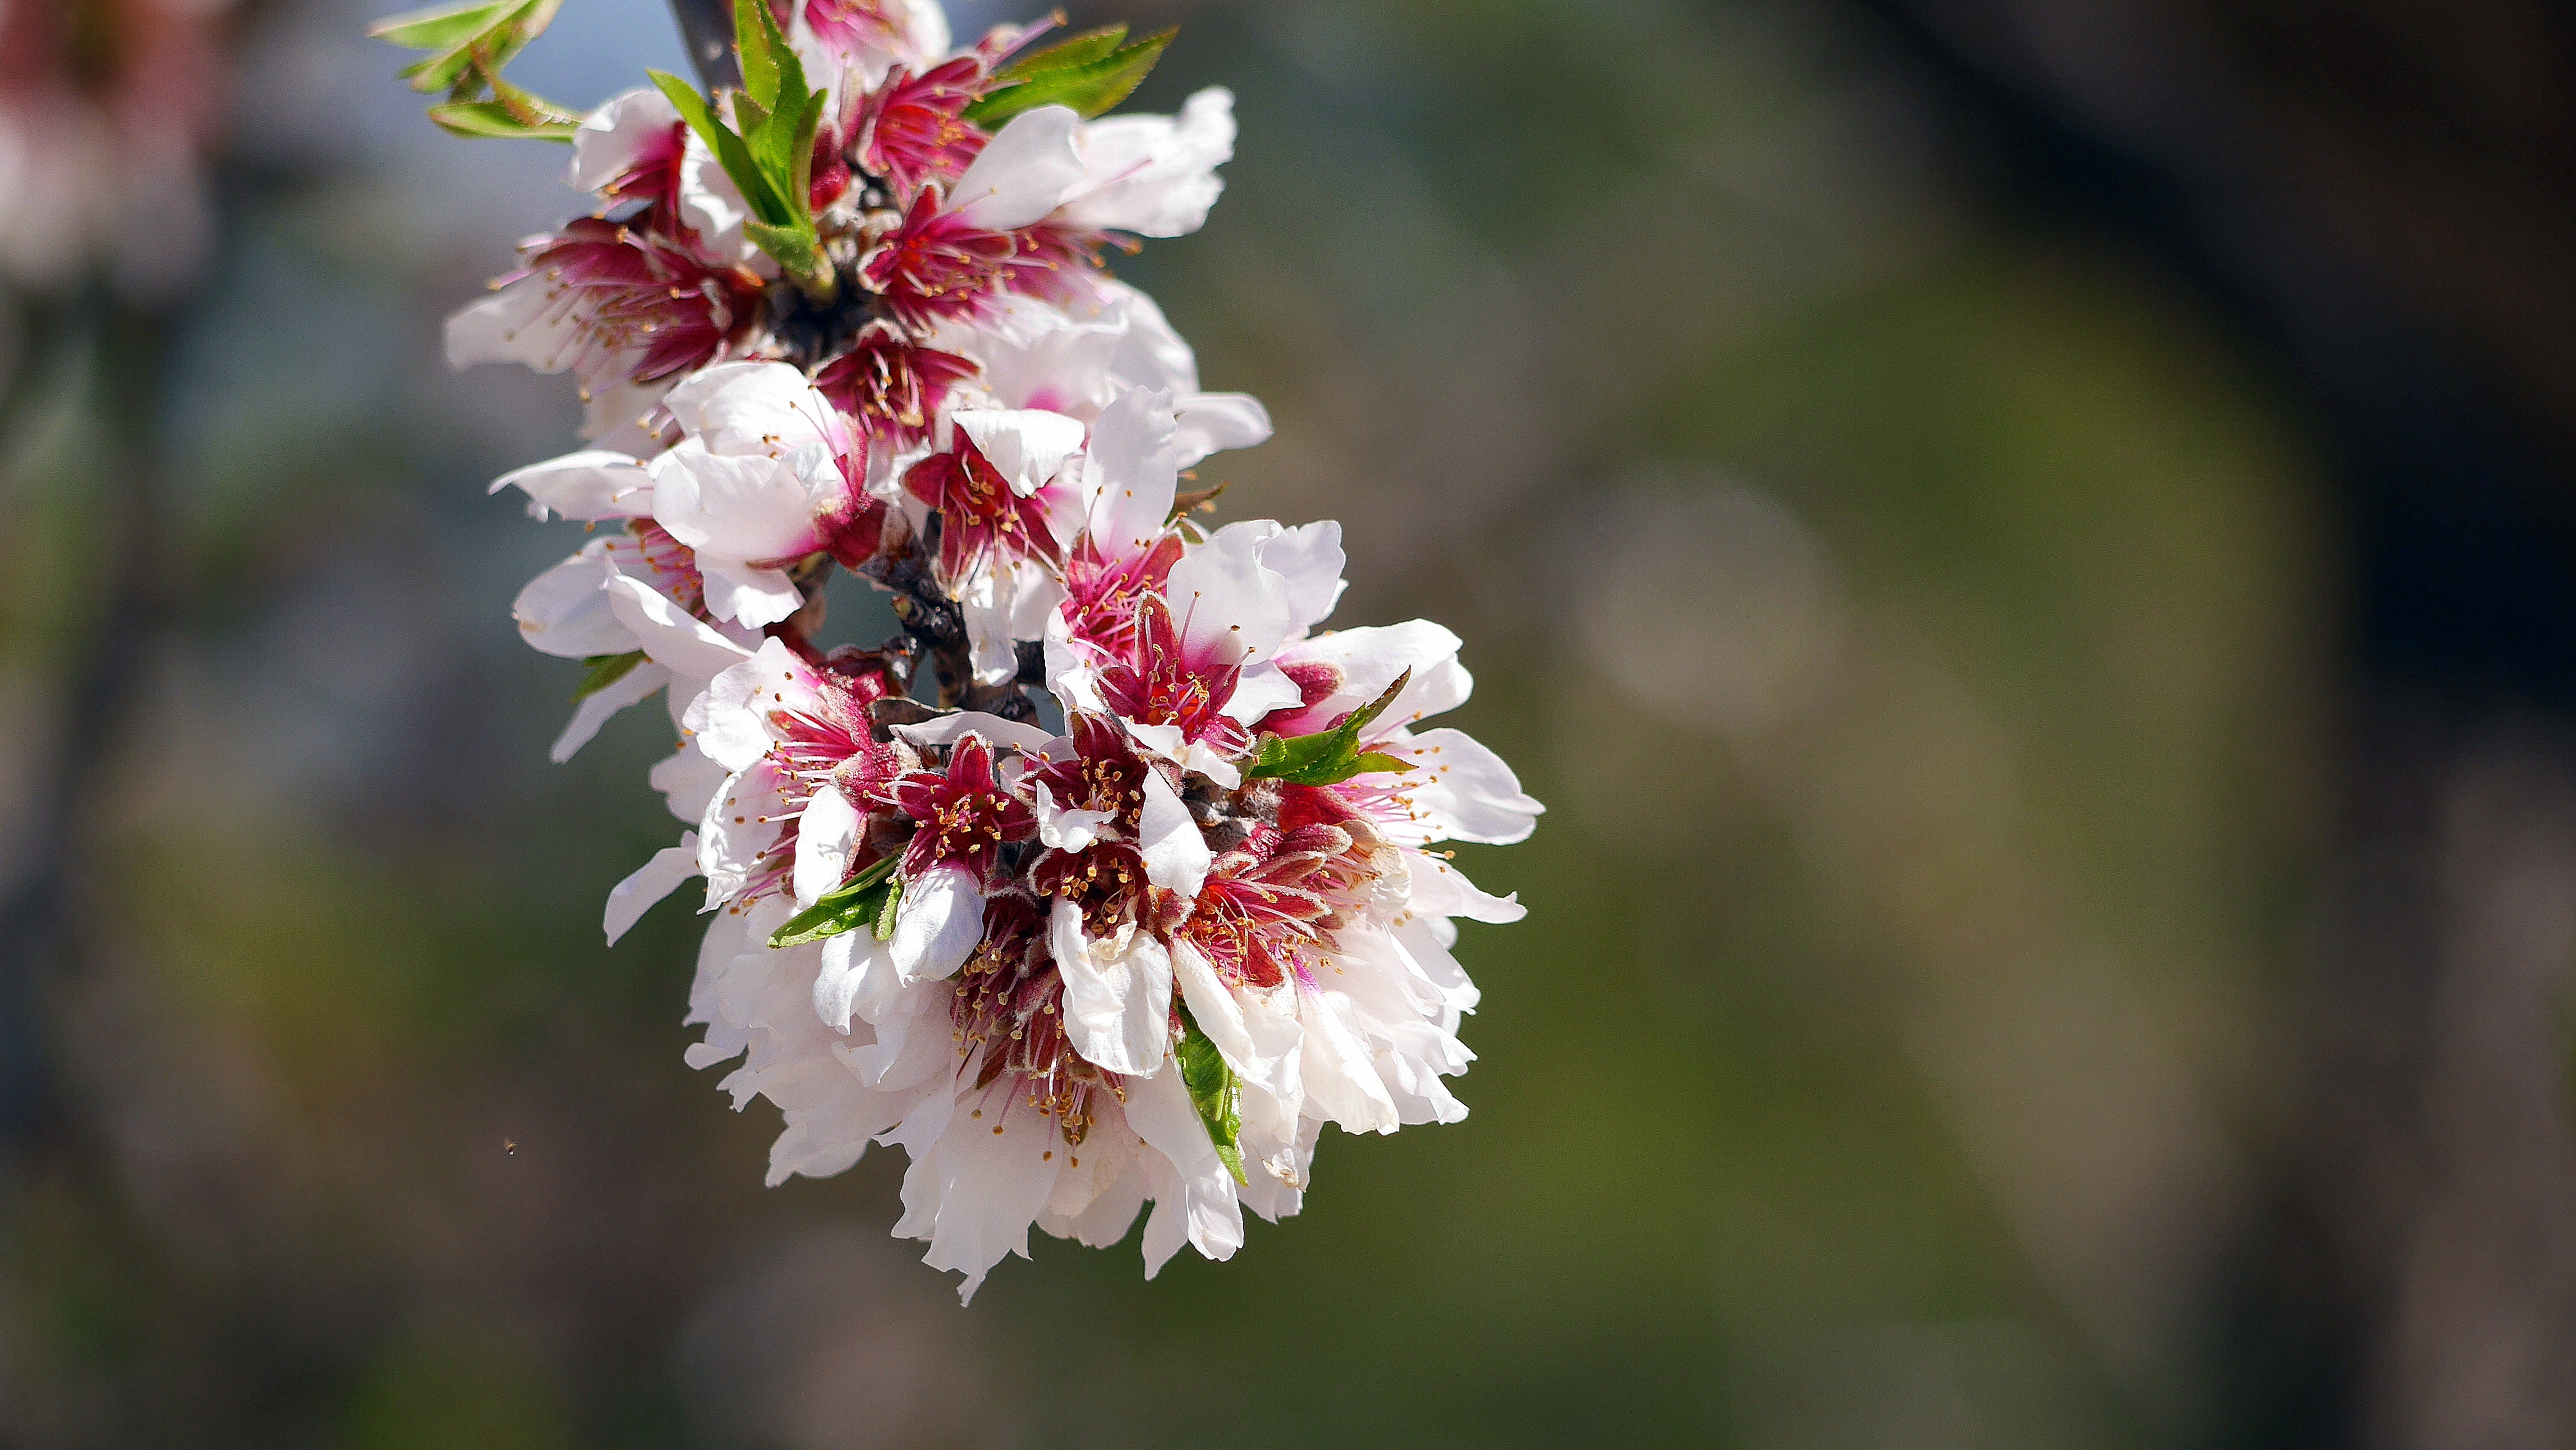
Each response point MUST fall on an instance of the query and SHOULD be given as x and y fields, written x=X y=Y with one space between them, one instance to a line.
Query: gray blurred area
x=2027 y=547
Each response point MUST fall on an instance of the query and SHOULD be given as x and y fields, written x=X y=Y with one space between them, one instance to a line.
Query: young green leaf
x=800 y=151
x=1214 y=1090
x=756 y=37
x=493 y=120
x=730 y=152
x=1330 y=757
x=1090 y=88
x=1081 y=49
x=884 y=929
x=532 y=110
x=603 y=670
x=441 y=26
x=684 y=98
x=471 y=52
x=867 y=897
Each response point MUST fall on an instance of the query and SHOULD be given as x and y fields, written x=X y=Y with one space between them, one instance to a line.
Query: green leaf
x=1081 y=49
x=441 y=26
x=756 y=38
x=800 y=152
x=492 y=119
x=867 y=898
x=471 y=52
x=884 y=928
x=604 y=670
x=1214 y=1090
x=1330 y=757
x=529 y=108
x=1090 y=88
x=684 y=98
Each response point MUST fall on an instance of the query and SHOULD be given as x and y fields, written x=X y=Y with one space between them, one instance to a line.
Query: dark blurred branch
x=707 y=28
x=40 y=935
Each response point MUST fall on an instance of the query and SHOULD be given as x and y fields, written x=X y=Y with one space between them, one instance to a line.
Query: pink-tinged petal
x=589 y=485
x=1022 y=173
x=625 y=134
x=634 y=687
x=655 y=879
x=1117 y=995
x=1194 y=1202
x=938 y=923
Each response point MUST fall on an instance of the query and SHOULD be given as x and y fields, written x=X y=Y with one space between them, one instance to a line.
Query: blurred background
x=2028 y=546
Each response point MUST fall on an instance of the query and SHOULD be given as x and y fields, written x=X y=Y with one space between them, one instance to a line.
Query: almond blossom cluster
x=1111 y=878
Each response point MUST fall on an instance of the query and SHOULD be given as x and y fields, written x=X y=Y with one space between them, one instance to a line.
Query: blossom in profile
x=1114 y=878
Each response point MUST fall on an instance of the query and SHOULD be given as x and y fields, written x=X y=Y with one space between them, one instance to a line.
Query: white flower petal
x=1194 y=1200
x=937 y=924
x=1341 y=1080
x=633 y=687
x=1117 y=995
x=1441 y=889
x=687 y=780
x=1022 y=172
x=565 y=612
x=1215 y=422
x=1154 y=176
x=737 y=831
x=1261 y=1045
x=1175 y=851
x=1025 y=445
x=857 y=974
x=826 y=834
x=947 y=729
x=655 y=879
x=1461 y=791
x=692 y=649
x=989 y=1178
x=589 y=485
